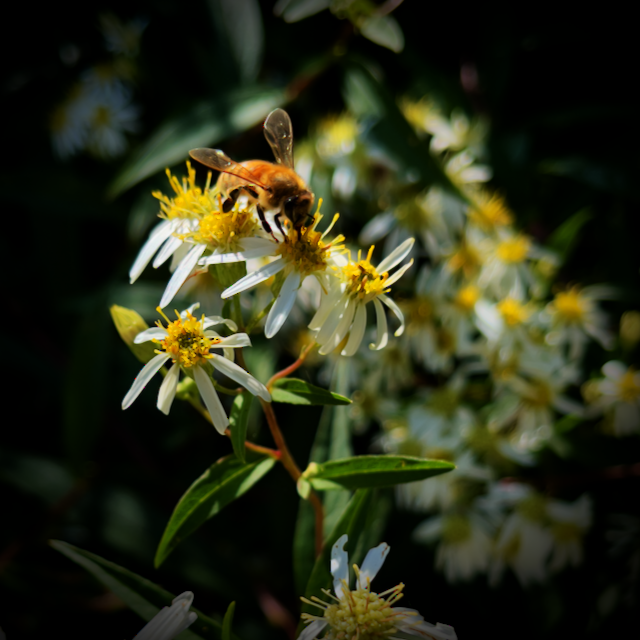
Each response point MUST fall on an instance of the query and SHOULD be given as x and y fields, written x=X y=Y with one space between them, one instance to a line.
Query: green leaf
x=296 y=391
x=383 y=30
x=294 y=10
x=238 y=421
x=564 y=239
x=205 y=124
x=352 y=522
x=220 y=484
x=226 y=623
x=140 y=594
x=372 y=471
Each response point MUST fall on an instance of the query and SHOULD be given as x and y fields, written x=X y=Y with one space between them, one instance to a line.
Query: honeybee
x=271 y=186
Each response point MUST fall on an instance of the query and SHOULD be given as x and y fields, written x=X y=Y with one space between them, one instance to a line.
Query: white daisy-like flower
x=620 y=394
x=569 y=523
x=187 y=343
x=181 y=216
x=362 y=613
x=302 y=253
x=170 y=621
x=343 y=309
x=465 y=543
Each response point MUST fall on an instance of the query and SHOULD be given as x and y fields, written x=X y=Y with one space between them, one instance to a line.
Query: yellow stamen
x=190 y=200
x=570 y=305
x=628 y=386
x=514 y=249
x=512 y=311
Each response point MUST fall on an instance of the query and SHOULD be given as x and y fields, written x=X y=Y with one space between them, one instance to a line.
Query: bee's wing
x=279 y=134
x=220 y=161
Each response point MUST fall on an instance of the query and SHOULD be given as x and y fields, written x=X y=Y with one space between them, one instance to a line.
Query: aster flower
x=362 y=613
x=181 y=215
x=570 y=521
x=620 y=395
x=187 y=343
x=343 y=310
x=302 y=253
x=170 y=621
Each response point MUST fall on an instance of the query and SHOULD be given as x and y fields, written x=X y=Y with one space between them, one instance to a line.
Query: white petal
x=341 y=330
x=252 y=279
x=327 y=305
x=159 y=234
x=211 y=321
x=181 y=274
x=251 y=248
x=396 y=309
x=396 y=256
x=211 y=400
x=333 y=319
x=357 y=330
x=235 y=341
x=373 y=561
x=398 y=274
x=148 y=371
x=170 y=621
x=312 y=631
x=282 y=306
x=614 y=369
x=382 y=335
x=148 y=334
x=377 y=228
x=239 y=375
x=168 y=389
x=170 y=247
x=340 y=565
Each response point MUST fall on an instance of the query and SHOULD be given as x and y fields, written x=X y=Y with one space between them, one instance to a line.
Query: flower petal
x=398 y=274
x=235 y=341
x=340 y=565
x=251 y=248
x=252 y=279
x=170 y=621
x=357 y=330
x=372 y=562
x=211 y=400
x=210 y=321
x=159 y=333
x=382 y=334
x=181 y=274
x=159 y=234
x=148 y=371
x=341 y=330
x=169 y=248
x=327 y=305
x=396 y=309
x=168 y=389
x=312 y=631
x=239 y=375
x=396 y=256
x=282 y=306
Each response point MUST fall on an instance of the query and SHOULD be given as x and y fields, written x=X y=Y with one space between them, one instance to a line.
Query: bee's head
x=298 y=208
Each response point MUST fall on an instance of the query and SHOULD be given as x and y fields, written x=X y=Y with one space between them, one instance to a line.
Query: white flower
x=187 y=342
x=170 y=621
x=570 y=522
x=362 y=613
x=302 y=253
x=343 y=309
x=620 y=394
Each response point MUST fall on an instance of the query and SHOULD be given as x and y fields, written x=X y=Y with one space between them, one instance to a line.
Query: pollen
x=514 y=249
x=359 y=614
x=223 y=230
x=570 y=305
x=491 y=212
x=628 y=386
x=190 y=201
x=186 y=343
x=512 y=311
x=363 y=281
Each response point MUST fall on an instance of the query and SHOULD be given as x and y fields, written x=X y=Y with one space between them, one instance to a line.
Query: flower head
x=343 y=310
x=187 y=342
x=170 y=621
x=361 y=614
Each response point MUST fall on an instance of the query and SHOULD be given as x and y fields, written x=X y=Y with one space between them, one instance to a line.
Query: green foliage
x=238 y=422
x=295 y=391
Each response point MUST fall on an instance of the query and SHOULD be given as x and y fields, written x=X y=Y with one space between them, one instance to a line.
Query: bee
x=271 y=186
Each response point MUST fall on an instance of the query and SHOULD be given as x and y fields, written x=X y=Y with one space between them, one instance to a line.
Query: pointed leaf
x=238 y=421
x=565 y=237
x=383 y=30
x=226 y=623
x=140 y=594
x=372 y=471
x=220 y=484
x=296 y=391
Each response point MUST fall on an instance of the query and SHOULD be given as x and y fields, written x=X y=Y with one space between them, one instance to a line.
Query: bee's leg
x=276 y=219
x=232 y=197
x=263 y=220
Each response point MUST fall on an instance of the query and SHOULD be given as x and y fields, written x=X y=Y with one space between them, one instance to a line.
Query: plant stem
x=291 y=368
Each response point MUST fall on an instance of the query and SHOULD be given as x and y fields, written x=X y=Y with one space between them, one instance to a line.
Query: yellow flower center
x=362 y=279
x=566 y=532
x=455 y=529
x=223 y=230
x=337 y=135
x=190 y=201
x=539 y=395
x=465 y=259
x=628 y=387
x=466 y=298
x=491 y=212
x=512 y=311
x=186 y=343
x=533 y=508
x=570 y=305
x=102 y=116
x=514 y=249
